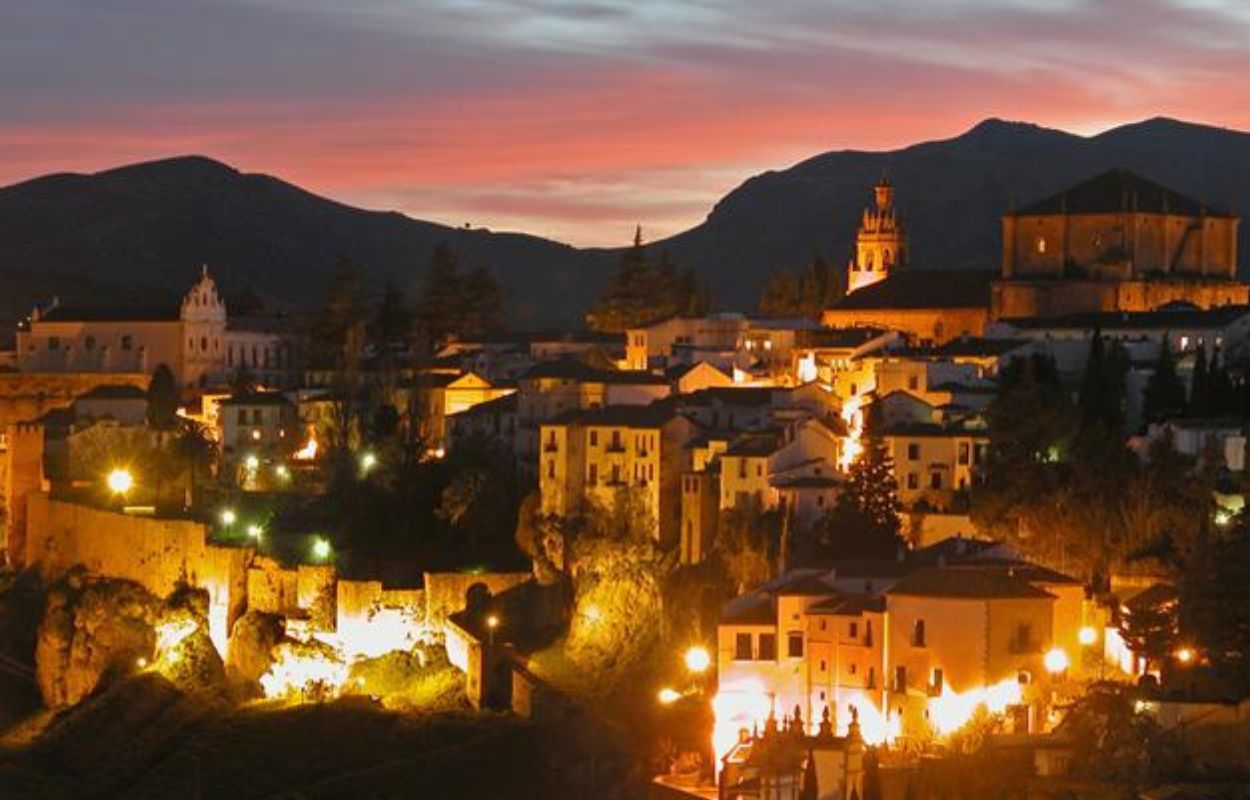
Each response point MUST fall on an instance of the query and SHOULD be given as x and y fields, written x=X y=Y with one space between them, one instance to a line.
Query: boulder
x=92 y=628
x=185 y=651
x=252 y=642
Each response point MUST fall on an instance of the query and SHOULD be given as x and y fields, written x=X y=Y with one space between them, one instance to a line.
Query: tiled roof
x=577 y=370
x=805 y=586
x=1171 y=318
x=652 y=416
x=984 y=584
x=162 y=313
x=925 y=289
x=851 y=605
x=500 y=405
x=257 y=399
x=755 y=445
x=972 y=346
x=114 y=392
x=1118 y=190
x=841 y=337
x=807 y=482
x=731 y=396
x=749 y=610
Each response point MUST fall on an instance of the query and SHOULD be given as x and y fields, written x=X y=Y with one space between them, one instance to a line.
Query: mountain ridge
x=147 y=226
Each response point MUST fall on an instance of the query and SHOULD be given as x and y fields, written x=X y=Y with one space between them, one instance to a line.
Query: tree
x=1199 y=390
x=337 y=339
x=746 y=545
x=481 y=304
x=393 y=322
x=440 y=306
x=163 y=400
x=643 y=291
x=1215 y=606
x=1164 y=395
x=782 y=295
x=1149 y=625
x=870 y=489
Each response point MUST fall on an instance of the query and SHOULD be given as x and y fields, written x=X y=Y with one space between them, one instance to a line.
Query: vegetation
x=644 y=291
x=786 y=294
x=454 y=304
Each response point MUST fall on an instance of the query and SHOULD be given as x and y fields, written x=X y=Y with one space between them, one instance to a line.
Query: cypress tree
x=440 y=305
x=1199 y=395
x=1164 y=395
x=163 y=400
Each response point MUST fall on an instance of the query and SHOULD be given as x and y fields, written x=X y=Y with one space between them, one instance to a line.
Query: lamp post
x=120 y=481
x=492 y=622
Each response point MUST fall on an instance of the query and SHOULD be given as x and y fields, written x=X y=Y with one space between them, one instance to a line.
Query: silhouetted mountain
x=146 y=229
x=951 y=193
x=148 y=226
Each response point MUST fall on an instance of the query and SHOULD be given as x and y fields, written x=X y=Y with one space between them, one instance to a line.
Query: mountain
x=146 y=228
x=951 y=194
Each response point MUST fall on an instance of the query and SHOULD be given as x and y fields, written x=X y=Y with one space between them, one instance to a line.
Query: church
x=1115 y=242
x=200 y=343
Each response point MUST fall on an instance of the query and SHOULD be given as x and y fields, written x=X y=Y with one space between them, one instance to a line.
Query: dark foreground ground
x=144 y=739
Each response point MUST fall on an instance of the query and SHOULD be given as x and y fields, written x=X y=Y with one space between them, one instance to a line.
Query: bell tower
x=879 y=244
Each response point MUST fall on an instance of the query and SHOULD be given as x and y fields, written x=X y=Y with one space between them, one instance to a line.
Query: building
x=929 y=307
x=900 y=640
x=880 y=243
x=592 y=455
x=1116 y=242
x=258 y=431
x=934 y=463
x=194 y=338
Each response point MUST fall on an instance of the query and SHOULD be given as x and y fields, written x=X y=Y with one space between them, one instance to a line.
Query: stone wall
x=445 y=592
x=26 y=396
x=157 y=554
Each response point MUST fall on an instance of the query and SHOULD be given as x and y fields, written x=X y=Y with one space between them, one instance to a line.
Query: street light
x=1056 y=661
x=252 y=463
x=321 y=549
x=697 y=659
x=255 y=531
x=120 y=481
x=1185 y=655
x=492 y=622
x=367 y=462
x=1087 y=635
x=668 y=696
x=228 y=517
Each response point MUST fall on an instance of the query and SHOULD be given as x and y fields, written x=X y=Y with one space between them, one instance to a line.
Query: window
x=768 y=647
x=913 y=383
x=551 y=469
x=935 y=480
x=89 y=343
x=913 y=452
x=742 y=647
x=592 y=477
x=913 y=480
x=616 y=440
x=594 y=438
x=823 y=666
x=54 y=342
x=794 y=645
x=935 y=685
x=742 y=468
x=824 y=624
x=854 y=667
x=242 y=416
x=616 y=473
x=1041 y=245
x=204 y=344
x=871 y=681
x=900 y=678
x=759 y=470
x=965 y=453
x=917 y=634
x=127 y=342
x=853 y=630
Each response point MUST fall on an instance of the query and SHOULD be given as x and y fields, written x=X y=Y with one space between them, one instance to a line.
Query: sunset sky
x=574 y=119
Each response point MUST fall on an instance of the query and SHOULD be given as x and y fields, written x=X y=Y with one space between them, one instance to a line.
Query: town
x=892 y=533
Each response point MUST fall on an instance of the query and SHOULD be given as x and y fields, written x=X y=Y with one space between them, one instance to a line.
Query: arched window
x=1041 y=245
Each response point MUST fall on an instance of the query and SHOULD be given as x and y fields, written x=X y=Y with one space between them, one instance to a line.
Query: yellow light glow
x=228 y=517
x=737 y=706
x=853 y=416
x=255 y=532
x=1056 y=661
x=256 y=435
x=951 y=710
x=321 y=549
x=697 y=659
x=669 y=696
x=492 y=622
x=1185 y=655
x=1087 y=635
x=296 y=673
x=309 y=451
x=1223 y=517
x=367 y=462
x=141 y=662
x=282 y=472
x=120 y=481
x=252 y=463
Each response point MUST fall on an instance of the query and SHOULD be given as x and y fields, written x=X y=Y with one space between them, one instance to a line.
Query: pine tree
x=1164 y=395
x=440 y=304
x=481 y=303
x=393 y=322
x=336 y=339
x=870 y=486
x=643 y=292
x=1199 y=397
x=1221 y=397
x=163 y=400
x=782 y=295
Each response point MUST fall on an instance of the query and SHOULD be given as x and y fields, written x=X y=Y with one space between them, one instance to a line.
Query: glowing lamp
x=255 y=532
x=1223 y=518
x=1056 y=661
x=120 y=481
x=1185 y=655
x=282 y=472
x=256 y=435
x=228 y=517
x=320 y=549
x=697 y=659
x=252 y=463
x=1087 y=635
x=141 y=662
x=492 y=622
x=669 y=696
x=367 y=462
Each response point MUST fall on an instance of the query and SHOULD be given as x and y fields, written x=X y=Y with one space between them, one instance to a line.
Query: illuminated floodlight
x=321 y=548
x=1056 y=661
x=120 y=481
x=697 y=659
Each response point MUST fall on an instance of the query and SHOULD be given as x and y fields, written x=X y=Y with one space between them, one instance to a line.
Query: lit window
x=742 y=647
x=1041 y=245
x=794 y=645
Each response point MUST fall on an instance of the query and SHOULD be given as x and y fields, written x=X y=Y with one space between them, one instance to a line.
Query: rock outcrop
x=252 y=643
x=92 y=628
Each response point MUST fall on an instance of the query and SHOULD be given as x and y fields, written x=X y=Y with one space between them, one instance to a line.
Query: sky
x=577 y=119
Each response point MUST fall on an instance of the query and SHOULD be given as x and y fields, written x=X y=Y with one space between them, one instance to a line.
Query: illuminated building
x=880 y=243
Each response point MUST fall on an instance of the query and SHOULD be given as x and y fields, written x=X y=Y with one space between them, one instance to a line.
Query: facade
x=592 y=455
x=194 y=339
x=1116 y=242
x=934 y=463
x=258 y=430
x=880 y=242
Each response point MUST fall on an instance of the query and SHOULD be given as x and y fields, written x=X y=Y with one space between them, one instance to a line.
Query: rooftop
x=257 y=399
x=1118 y=190
x=923 y=289
x=114 y=392
x=1169 y=318
x=972 y=584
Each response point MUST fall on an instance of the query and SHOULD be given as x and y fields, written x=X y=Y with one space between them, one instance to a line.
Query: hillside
x=106 y=236
x=150 y=226
x=950 y=192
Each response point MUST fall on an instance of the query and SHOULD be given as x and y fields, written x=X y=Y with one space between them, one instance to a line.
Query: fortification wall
x=155 y=553
x=445 y=592
x=29 y=395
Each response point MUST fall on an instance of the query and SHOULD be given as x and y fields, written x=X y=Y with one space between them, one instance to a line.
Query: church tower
x=203 y=317
x=879 y=244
